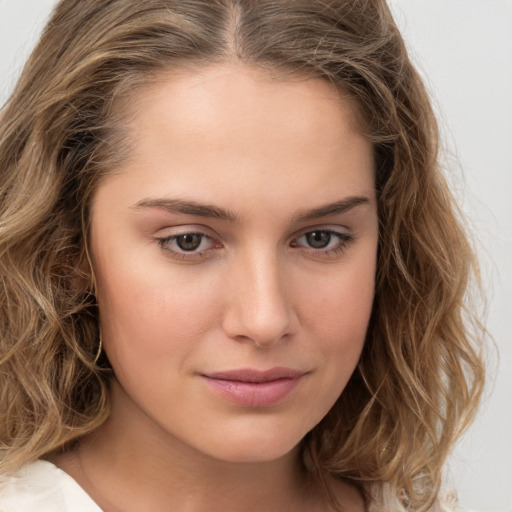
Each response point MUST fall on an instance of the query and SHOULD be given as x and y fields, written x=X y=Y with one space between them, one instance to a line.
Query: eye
x=318 y=239
x=189 y=241
x=188 y=245
x=323 y=241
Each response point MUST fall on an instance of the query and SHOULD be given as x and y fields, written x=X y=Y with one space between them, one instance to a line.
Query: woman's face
x=235 y=255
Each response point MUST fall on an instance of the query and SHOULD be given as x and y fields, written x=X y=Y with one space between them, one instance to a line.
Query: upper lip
x=256 y=375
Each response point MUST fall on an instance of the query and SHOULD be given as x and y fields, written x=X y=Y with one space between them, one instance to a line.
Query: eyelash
x=344 y=240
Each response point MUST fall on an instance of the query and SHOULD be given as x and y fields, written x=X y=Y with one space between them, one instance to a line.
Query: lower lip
x=253 y=394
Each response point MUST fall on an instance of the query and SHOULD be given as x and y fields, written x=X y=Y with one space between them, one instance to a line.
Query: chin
x=253 y=445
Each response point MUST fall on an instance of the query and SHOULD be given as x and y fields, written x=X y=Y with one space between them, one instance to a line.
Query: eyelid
x=183 y=229
x=342 y=231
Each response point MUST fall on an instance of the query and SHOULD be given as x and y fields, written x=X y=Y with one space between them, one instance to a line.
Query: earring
x=98 y=353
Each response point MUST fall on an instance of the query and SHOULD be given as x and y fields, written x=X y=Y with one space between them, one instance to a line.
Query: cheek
x=336 y=311
x=151 y=313
x=340 y=303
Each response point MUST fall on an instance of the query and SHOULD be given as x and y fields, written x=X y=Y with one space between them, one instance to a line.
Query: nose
x=259 y=309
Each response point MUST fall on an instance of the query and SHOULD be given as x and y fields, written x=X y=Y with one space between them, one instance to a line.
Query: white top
x=43 y=487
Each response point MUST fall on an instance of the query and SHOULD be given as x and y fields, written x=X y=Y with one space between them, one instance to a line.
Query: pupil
x=189 y=242
x=318 y=239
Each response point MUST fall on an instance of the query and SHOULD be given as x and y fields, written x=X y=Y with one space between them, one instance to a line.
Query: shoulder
x=43 y=487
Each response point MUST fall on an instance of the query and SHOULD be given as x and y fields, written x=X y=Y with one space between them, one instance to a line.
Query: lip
x=250 y=387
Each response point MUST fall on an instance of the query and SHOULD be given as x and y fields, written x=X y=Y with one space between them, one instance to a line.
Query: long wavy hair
x=420 y=375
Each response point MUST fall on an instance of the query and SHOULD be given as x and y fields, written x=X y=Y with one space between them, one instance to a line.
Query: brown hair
x=420 y=375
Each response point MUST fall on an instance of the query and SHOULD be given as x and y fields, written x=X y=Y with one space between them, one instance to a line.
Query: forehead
x=231 y=130
x=239 y=92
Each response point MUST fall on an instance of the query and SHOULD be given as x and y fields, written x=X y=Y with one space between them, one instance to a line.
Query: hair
x=420 y=375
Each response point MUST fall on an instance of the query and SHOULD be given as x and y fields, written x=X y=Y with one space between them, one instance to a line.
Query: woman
x=233 y=277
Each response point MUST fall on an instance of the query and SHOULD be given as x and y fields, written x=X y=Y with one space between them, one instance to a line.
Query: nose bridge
x=259 y=306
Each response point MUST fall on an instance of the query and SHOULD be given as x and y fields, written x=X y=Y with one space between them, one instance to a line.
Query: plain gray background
x=464 y=50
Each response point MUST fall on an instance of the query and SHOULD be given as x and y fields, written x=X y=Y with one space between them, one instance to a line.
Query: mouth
x=249 y=387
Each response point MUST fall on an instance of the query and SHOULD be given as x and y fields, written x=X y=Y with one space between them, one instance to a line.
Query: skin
x=271 y=154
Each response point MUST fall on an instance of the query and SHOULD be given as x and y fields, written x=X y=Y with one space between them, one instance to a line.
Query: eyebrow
x=215 y=212
x=188 y=208
x=335 y=208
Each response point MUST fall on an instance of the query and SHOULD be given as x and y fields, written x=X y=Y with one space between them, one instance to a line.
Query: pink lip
x=254 y=388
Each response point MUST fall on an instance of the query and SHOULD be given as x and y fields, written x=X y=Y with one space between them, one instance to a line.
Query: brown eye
x=189 y=245
x=318 y=239
x=189 y=241
x=323 y=242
